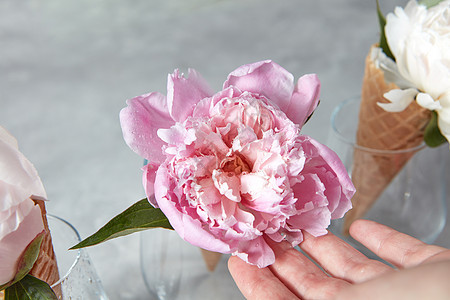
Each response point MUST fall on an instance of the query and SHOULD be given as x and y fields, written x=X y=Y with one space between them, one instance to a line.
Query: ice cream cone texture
x=46 y=267
x=211 y=259
x=378 y=129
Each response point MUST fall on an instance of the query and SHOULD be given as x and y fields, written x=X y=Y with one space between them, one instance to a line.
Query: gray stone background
x=67 y=67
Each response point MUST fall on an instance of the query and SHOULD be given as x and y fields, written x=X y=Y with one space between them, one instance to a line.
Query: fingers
x=301 y=275
x=255 y=283
x=292 y=276
x=395 y=247
x=341 y=260
x=428 y=281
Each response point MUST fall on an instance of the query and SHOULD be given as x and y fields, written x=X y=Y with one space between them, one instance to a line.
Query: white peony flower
x=419 y=39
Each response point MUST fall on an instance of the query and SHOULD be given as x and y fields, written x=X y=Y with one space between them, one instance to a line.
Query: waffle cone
x=45 y=268
x=378 y=129
x=211 y=259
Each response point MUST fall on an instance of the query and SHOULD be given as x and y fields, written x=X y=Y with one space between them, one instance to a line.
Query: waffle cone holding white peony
x=381 y=130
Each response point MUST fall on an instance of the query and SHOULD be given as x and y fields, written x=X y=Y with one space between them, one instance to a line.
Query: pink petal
x=304 y=99
x=229 y=186
x=148 y=180
x=253 y=184
x=189 y=228
x=8 y=139
x=205 y=107
x=184 y=93
x=313 y=213
x=268 y=201
x=140 y=121
x=12 y=245
x=17 y=170
x=294 y=238
x=264 y=78
x=209 y=195
x=315 y=220
x=202 y=108
x=257 y=252
x=333 y=193
x=333 y=164
x=18 y=208
x=310 y=190
x=176 y=135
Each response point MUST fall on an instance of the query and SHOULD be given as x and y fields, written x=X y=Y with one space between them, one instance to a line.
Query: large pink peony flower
x=231 y=170
x=20 y=219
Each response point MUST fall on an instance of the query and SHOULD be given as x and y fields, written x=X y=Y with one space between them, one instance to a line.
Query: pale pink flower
x=20 y=219
x=231 y=170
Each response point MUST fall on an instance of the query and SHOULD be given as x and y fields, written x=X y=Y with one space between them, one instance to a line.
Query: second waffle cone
x=211 y=259
x=381 y=130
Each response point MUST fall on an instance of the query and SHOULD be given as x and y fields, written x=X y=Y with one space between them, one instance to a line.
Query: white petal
x=398 y=27
x=445 y=100
x=389 y=68
x=426 y=101
x=419 y=39
x=400 y=99
x=444 y=123
x=444 y=116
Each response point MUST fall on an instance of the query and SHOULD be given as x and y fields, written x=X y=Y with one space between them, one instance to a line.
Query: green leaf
x=140 y=216
x=433 y=136
x=430 y=3
x=27 y=260
x=30 y=288
x=383 y=41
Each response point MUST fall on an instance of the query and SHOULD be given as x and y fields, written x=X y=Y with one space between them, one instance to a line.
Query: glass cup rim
x=344 y=139
x=77 y=258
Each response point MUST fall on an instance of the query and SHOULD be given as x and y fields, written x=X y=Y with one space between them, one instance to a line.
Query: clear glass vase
x=413 y=199
x=174 y=269
x=78 y=278
x=161 y=262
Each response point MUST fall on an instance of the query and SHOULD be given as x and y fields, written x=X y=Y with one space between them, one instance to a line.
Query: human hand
x=422 y=270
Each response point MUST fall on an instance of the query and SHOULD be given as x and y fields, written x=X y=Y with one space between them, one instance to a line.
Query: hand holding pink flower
x=230 y=169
